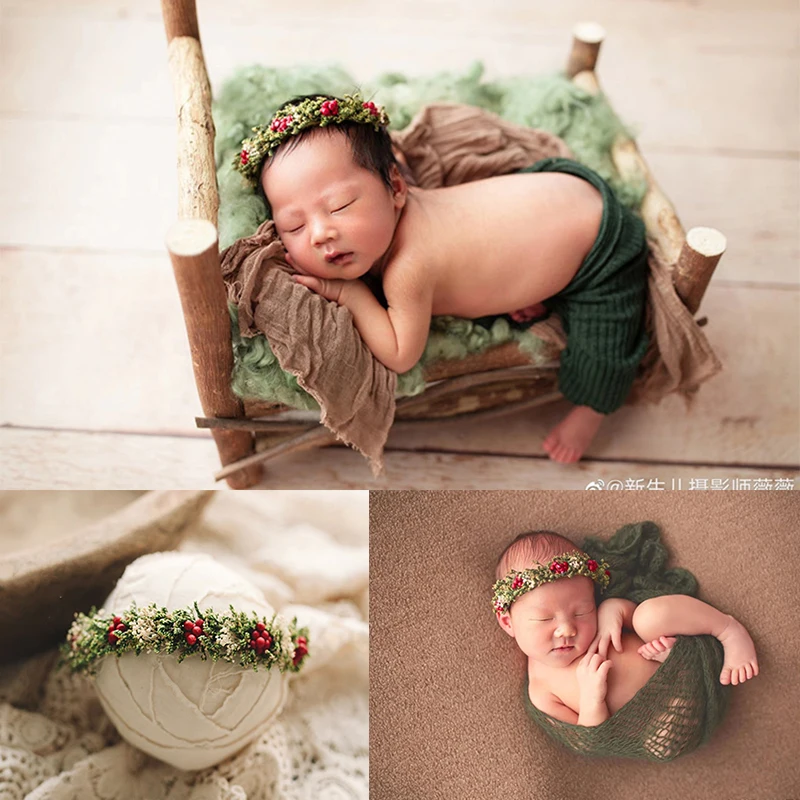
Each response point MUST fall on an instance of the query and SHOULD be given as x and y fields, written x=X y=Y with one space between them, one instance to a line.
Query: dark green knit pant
x=602 y=309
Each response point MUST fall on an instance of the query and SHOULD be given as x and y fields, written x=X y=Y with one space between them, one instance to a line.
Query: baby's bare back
x=496 y=245
x=628 y=673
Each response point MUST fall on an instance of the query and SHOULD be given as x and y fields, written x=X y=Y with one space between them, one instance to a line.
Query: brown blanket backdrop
x=446 y=712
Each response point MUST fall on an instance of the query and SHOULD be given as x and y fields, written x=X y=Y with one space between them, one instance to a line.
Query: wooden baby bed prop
x=498 y=381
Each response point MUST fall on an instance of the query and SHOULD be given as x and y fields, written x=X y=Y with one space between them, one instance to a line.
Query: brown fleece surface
x=446 y=712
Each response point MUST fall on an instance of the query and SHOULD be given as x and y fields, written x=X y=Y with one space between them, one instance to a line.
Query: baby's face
x=555 y=623
x=335 y=219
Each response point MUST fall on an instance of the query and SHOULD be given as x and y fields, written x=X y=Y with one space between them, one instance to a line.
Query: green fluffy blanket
x=679 y=708
x=553 y=103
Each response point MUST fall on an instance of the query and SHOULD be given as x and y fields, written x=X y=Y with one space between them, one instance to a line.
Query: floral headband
x=292 y=118
x=237 y=637
x=567 y=565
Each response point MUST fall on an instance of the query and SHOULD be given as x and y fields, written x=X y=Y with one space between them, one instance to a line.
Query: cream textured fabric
x=307 y=552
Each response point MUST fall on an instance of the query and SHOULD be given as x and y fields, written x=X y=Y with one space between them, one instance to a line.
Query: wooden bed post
x=193 y=243
x=693 y=259
x=586 y=40
x=698 y=258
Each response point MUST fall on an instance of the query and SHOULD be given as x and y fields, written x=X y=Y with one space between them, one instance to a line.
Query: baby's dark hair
x=535 y=547
x=372 y=149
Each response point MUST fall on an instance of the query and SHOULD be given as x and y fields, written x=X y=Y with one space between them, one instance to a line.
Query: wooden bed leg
x=698 y=258
x=193 y=249
x=586 y=40
x=180 y=18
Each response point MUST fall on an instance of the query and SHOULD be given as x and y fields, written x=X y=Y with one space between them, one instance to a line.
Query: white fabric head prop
x=196 y=713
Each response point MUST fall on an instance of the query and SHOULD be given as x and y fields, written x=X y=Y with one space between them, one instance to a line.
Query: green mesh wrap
x=681 y=705
x=552 y=102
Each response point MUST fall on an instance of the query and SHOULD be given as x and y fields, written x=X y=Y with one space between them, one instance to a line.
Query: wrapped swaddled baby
x=588 y=662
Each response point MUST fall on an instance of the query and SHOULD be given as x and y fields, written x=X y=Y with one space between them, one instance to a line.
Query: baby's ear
x=504 y=621
x=399 y=186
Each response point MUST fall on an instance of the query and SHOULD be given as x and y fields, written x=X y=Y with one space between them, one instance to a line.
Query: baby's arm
x=397 y=335
x=553 y=707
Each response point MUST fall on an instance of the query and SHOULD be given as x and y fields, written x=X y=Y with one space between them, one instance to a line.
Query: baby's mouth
x=564 y=649
x=339 y=259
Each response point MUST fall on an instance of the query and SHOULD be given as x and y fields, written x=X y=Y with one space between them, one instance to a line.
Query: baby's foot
x=658 y=649
x=568 y=441
x=740 y=662
x=528 y=313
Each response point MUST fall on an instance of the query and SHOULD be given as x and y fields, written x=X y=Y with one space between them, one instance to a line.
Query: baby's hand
x=592 y=676
x=329 y=289
x=610 y=621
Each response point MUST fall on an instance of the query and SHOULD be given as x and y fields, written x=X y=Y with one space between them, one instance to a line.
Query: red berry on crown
x=592 y=565
x=245 y=157
x=330 y=108
x=517 y=582
x=115 y=628
x=300 y=650
x=260 y=639
x=371 y=106
x=194 y=630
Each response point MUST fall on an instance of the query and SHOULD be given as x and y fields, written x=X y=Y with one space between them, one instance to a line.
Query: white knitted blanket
x=308 y=552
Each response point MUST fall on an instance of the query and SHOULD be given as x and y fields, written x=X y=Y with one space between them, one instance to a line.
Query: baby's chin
x=560 y=659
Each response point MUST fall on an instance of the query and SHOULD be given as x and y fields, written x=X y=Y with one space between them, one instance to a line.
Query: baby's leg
x=568 y=441
x=678 y=614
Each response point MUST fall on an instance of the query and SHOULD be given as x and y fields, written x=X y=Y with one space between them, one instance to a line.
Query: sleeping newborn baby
x=585 y=662
x=560 y=242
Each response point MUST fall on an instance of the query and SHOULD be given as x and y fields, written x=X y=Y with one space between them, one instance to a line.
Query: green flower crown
x=567 y=565
x=292 y=118
x=240 y=638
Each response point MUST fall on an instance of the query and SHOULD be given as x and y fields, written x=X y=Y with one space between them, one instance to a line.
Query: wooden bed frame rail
x=193 y=246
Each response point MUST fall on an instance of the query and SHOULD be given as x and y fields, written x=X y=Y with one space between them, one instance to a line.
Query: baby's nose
x=565 y=630
x=322 y=232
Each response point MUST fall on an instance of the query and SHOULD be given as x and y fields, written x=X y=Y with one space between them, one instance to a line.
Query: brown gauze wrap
x=317 y=341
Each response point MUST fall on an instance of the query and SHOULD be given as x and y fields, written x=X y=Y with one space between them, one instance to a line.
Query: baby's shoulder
x=540 y=692
x=406 y=274
x=545 y=700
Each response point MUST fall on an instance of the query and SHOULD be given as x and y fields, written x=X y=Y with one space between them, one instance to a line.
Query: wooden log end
x=696 y=263
x=589 y=33
x=708 y=242
x=191 y=237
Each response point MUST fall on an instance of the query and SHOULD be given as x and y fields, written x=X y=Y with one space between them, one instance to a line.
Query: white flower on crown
x=229 y=640
x=75 y=634
x=144 y=627
x=281 y=627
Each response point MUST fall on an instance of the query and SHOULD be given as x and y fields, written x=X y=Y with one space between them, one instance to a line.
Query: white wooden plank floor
x=97 y=388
